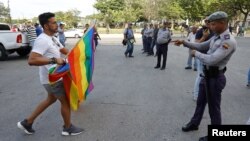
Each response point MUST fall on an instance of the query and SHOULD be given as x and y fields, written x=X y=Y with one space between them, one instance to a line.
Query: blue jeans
x=249 y=76
x=190 y=58
x=198 y=77
x=62 y=41
x=130 y=48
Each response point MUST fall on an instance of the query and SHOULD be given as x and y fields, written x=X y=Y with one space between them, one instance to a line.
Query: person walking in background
x=191 y=38
x=230 y=29
x=130 y=39
x=86 y=28
x=31 y=33
x=61 y=35
x=240 y=31
x=39 y=30
x=182 y=29
x=96 y=37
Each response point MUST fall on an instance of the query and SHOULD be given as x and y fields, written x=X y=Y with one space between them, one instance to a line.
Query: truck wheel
x=3 y=54
x=23 y=51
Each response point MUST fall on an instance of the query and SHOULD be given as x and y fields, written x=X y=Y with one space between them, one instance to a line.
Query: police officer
x=163 y=39
x=220 y=49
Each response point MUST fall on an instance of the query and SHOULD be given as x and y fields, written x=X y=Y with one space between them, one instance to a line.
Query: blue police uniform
x=163 y=39
x=220 y=49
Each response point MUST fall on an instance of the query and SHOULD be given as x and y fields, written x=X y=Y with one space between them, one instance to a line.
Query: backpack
x=124 y=42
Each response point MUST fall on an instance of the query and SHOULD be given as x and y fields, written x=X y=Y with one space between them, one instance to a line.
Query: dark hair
x=44 y=18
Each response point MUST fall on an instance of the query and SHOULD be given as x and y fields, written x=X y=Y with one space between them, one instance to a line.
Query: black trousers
x=162 y=51
x=213 y=98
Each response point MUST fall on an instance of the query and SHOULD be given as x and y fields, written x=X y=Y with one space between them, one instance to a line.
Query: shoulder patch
x=227 y=36
x=225 y=46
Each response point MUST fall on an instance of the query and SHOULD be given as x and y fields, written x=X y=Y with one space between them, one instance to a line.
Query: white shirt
x=191 y=37
x=149 y=32
x=163 y=36
x=45 y=46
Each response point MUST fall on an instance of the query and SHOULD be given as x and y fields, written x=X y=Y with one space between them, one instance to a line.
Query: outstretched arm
x=197 y=46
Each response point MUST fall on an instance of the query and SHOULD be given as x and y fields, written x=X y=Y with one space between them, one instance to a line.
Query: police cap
x=217 y=16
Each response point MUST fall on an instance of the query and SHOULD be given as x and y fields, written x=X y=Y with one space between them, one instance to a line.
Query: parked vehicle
x=74 y=33
x=11 y=42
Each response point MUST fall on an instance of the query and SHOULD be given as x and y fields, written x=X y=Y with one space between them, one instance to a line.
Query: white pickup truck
x=11 y=42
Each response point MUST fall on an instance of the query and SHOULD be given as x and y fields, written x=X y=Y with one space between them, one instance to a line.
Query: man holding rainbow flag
x=67 y=82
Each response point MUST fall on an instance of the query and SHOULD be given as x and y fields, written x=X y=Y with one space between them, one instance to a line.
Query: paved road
x=131 y=101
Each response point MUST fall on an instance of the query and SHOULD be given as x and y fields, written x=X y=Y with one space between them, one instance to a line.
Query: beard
x=51 y=30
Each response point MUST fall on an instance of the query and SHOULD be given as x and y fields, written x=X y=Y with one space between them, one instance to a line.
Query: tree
x=234 y=8
x=109 y=10
x=170 y=9
x=150 y=9
x=133 y=11
x=242 y=6
x=70 y=17
x=195 y=10
x=4 y=14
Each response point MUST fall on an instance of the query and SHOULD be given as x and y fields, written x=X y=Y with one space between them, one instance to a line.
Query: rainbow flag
x=77 y=73
x=58 y=72
x=81 y=64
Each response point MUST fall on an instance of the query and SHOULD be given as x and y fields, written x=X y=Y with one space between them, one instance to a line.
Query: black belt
x=213 y=71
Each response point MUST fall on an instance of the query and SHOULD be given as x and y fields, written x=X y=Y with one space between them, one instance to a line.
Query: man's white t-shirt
x=47 y=46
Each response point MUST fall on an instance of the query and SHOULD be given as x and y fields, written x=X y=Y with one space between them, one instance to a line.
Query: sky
x=32 y=8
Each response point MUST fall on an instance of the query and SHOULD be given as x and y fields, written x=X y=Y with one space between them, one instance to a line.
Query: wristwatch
x=52 y=60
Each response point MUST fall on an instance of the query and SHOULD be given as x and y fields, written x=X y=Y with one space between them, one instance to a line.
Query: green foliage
x=113 y=12
x=170 y=9
x=233 y=7
x=195 y=10
x=116 y=11
x=4 y=14
x=71 y=17
x=109 y=9
x=104 y=6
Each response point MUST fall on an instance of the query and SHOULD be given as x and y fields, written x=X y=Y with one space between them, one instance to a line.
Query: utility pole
x=9 y=17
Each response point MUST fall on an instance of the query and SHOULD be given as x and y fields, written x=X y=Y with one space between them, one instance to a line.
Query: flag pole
x=93 y=26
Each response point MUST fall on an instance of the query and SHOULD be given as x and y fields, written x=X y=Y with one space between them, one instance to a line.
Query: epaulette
x=225 y=46
x=227 y=36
